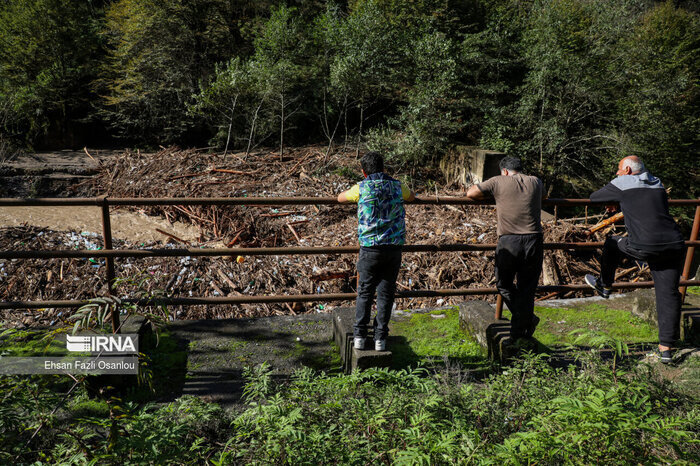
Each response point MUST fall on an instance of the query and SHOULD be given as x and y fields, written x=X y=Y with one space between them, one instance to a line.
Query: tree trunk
x=359 y=132
x=337 y=123
x=230 y=125
x=252 y=127
x=345 y=144
x=282 y=128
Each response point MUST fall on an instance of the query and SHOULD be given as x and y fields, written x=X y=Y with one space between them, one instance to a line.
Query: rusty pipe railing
x=276 y=251
x=185 y=301
x=276 y=201
x=109 y=253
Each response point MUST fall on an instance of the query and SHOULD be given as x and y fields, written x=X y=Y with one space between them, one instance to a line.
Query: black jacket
x=644 y=202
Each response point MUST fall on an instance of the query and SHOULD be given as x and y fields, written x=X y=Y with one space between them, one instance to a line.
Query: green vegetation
x=600 y=411
x=428 y=337
x=568 y=85
x=528 y=413
x=328 y=360
x=557 y=323
x=31 y=343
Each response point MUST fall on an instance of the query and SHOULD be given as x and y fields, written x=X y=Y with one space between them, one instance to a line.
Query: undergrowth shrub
x=528 y=413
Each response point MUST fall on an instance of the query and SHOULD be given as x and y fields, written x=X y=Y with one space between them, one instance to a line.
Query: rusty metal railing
x=109 y=253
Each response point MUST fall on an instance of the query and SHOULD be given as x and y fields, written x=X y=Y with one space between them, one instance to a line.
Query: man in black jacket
x=653 y=236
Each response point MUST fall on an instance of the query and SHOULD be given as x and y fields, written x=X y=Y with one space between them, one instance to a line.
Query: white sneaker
x=379 y=345
x=359 y=343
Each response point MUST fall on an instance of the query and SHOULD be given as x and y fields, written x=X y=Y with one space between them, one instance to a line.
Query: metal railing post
x=499 y=307
x=109 y=261
x=691 y=252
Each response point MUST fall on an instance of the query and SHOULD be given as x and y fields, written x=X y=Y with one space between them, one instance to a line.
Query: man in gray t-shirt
x=519 y=251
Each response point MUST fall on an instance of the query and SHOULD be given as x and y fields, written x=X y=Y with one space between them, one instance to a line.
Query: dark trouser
x=665 y=269
x=378 y=269
x=518 y=268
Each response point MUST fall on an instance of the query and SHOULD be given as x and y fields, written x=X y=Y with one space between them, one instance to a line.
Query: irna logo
x=102 y=343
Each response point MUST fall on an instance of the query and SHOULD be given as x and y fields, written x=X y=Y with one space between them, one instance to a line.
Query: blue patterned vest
x=380 y=212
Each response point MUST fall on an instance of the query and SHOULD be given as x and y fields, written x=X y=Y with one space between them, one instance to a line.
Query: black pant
x=665 y=269
x=519 y=257
x=378 y=268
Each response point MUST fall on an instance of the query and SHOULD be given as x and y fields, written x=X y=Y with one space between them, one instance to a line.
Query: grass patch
x=32 y=343
x=694 y=290
x=237 y=346
x=327 y=359
x=82 y=406
x=556 y=324
x=427 y=337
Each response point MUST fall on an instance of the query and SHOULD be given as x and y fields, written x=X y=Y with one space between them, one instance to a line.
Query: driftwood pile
x=303 y=172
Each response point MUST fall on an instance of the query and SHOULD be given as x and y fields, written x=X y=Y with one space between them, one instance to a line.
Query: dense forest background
x=569 y=85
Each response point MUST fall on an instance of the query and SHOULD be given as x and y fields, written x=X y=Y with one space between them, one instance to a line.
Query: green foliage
x=147 y=434
x=431 y=118
x=279 y=67
x=226 y=100
x=661 y=109
x=47 y=61
x=252 y=99
x=592 y=91
x=604 y=426
x=559 y=123
x=528 y=413
x=158 y=53
x=99 y=308
x=568 y=85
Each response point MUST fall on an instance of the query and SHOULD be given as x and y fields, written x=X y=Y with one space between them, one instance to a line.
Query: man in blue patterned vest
x=381 y=230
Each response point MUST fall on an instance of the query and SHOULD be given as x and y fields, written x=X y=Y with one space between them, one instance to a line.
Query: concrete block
x=644 y=305
x=139 y=324
x=690 y=325
x=477 y=319
x=135 y=324
x=468 y=165
x=343 y=322
x=364 y=359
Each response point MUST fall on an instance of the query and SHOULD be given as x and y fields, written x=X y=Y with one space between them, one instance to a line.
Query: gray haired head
x=634 y=163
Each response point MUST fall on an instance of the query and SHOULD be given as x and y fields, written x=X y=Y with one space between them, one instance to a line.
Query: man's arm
x=475 y=193
x=349 y=196
x=608 y=193
x=343 y=197
x=407 y=194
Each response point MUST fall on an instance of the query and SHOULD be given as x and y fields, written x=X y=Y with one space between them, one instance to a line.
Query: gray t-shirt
x=518 y=203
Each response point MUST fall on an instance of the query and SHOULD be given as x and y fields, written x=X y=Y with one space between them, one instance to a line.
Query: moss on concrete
x=432 y=336
x=32 y=343
x=556 y=324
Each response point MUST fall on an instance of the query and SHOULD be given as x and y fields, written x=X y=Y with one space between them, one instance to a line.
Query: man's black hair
x=511 y=164
x=372 y=162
